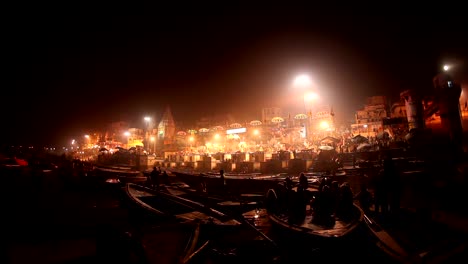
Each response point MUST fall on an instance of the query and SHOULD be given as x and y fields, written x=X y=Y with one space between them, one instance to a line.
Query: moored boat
x=237 y=184
x=306 y=223
x=165 y=206
x=232 y=205
x=121 y=175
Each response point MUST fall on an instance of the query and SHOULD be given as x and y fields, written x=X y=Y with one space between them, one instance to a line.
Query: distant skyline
x=73 y=70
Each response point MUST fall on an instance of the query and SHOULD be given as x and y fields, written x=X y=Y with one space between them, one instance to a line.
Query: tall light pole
x=147 y=121
x=127 y=136
x=304 y=83
x=153 y=139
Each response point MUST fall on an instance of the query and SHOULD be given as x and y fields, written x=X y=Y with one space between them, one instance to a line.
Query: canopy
x=324 y=147
x=255 y=122
x=235 y=125
x=203 y=130
x=383 y=135
x=277 y=119
x=364 y=146
x=181 y=133
x=360 y=139
x=300 y=116
x=330 y=140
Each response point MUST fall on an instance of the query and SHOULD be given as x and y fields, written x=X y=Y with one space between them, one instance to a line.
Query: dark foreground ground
x=78 y=221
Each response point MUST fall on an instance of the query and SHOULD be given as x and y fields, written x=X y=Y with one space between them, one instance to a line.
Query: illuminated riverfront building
x=369 y=120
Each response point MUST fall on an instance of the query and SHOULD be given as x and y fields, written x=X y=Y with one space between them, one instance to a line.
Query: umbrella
x=324 y=147
x=277 y=119
x=383 y=135
x=181 y=133
x=203 y=130
x=218 y=128
x=235 y=125
x=360 y=139
x=192 y=131
x=300 y=116
x=330 y=139
x=255 y=122
x=364 y=146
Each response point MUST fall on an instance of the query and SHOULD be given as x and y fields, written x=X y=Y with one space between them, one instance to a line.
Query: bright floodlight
x=147 y=118
x=446 y=67
x=310 y=96
x=302 y=80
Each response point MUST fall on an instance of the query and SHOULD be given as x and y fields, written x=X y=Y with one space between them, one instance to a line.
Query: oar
x=245 y=221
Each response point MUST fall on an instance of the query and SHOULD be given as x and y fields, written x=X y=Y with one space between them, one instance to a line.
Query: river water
x=57 y=220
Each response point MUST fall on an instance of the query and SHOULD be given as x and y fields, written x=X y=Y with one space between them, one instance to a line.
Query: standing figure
x=154 y=178
x=165 y=177
x=364 y=198
x=224 y=190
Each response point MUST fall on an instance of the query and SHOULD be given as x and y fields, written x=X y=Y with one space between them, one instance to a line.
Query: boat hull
x=235 y=184
x=336 y=230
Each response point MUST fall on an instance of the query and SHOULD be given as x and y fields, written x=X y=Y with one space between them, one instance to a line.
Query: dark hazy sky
x=75 y=67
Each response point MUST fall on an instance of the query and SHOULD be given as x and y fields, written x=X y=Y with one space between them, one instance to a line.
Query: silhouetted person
x=301 y=198
x=165 y=177
x=154 y=178
x=223 y=183
x=386 y=183
x=335 y=194
x=345 y=202
x=364 y=198
x=323 y=207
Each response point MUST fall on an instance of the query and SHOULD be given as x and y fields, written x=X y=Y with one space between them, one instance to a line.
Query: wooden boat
x=121 y=175
x=223 y=230
x=166 y=206
x=236 y=183
x=172 y=243
x=232 y=205
x=336 y=230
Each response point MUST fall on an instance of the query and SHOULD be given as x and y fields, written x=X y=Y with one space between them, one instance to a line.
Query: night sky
x=74 y=68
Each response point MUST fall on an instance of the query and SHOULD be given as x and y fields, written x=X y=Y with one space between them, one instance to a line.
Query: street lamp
x=147 y=120
x=303 y=82
x=127 y=135
x=191 y=139
x=153 y=139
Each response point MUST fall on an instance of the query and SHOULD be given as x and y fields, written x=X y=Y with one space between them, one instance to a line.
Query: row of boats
x=223 y=215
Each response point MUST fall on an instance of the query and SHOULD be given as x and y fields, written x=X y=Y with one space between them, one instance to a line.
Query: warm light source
x=310 y=96
x=324 y=125
x=446 y=67
x=302 y=80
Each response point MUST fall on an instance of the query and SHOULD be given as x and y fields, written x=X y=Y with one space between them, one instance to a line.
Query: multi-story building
x=369 y=120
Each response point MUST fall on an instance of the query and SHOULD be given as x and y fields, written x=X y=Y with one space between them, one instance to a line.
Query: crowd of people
x=333 y=200
x=157 y=177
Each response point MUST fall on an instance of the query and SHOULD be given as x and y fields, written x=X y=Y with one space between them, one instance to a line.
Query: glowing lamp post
x=191 y=139
x=153 y=139
x=127 y=136
x=147 y=121
x=304 y=83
